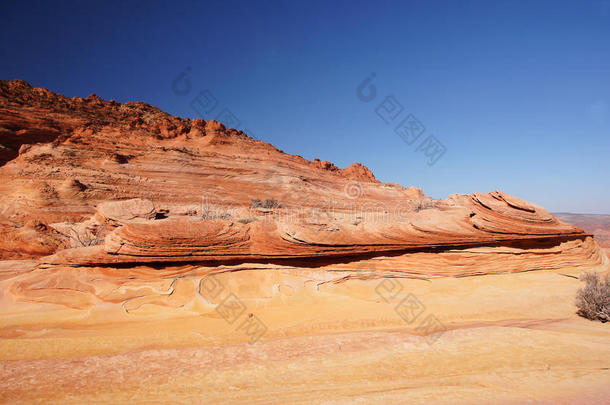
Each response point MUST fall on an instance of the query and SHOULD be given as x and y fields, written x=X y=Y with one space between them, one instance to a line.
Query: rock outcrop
x=147 y=258
x=127 y=183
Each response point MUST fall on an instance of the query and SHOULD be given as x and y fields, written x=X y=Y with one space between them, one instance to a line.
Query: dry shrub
x=246 y=220
x=215 y=212
x=593 y=300
x=86 y=237
x=424 y=205
x=268 y=203
x=210 y=211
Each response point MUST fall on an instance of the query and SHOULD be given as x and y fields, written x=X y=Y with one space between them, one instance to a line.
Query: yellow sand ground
x=508 y=338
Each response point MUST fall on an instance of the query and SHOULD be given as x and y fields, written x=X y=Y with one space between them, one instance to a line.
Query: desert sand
x=508 y=338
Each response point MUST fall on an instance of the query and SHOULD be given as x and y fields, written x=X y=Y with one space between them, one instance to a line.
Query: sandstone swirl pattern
x=114 y=215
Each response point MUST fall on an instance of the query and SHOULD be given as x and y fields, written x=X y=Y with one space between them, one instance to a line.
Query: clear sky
x=517 y=92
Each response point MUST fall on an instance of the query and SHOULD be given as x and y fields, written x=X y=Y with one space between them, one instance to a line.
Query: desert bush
x=210 y=211
x=268 y=203
x=214 y=213
x=246 y=220
x=87 y=237
x=593 y=300
x=424 y=205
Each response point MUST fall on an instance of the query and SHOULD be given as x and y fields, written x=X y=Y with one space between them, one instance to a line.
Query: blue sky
x=517 y=92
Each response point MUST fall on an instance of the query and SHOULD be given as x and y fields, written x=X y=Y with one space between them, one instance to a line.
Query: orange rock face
x=124 y=229
x=71 y=164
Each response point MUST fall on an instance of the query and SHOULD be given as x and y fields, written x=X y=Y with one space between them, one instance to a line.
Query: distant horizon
x=578 y=213
x=515 y=94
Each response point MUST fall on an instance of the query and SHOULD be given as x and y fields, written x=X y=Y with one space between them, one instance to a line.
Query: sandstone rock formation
x=136 y=181
x=124 y=230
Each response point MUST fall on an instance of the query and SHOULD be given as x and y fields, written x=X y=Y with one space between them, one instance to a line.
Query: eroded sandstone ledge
x=149 y=187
